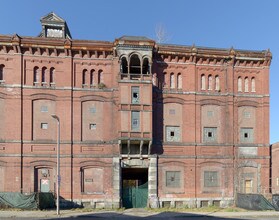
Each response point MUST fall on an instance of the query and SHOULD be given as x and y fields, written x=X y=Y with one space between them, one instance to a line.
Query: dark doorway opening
x=134 y=187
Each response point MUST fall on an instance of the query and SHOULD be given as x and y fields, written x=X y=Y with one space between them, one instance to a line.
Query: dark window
x=44 y=69
x=1 y=72
x=51 y=75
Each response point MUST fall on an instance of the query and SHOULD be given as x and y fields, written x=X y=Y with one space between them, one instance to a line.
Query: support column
x=116 y=203
x=153 y=200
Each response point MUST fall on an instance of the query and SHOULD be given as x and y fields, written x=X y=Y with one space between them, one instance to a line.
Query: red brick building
x=174 y=125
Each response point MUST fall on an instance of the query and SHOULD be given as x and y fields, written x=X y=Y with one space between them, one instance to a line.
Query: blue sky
x=243 y=24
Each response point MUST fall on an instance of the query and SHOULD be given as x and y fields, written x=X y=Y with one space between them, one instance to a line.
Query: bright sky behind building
x=242 y=24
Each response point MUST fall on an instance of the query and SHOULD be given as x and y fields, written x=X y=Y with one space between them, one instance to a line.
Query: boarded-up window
x=135 y=94
x=209 y=134
x=239 y=84
x=173 y=179
x=253 y=85
x=92 y=180
x=203 y=82
x=172 y=81
x=209 y=82
x=247 y=135
x=173 y=133
x=135 y=119
x=246 y=85
x=179 y=81
x=211 y=178
x=217 y=83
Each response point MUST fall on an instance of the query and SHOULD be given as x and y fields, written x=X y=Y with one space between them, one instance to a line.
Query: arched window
x=100 y=77
x=92 y=77
x=253 y=85
x=84 y=73
x=1 y=72
x=124 y=65
x=217 y=83
x=202 y=82
x=239 y=84
x=172 y=81
x=164 y=80
x=44 y=70
x=51 y=75
x=135 y=67
x=179 y=81
x=36 y=75
x=145 y=66
x=246 y=85
x=209 y=82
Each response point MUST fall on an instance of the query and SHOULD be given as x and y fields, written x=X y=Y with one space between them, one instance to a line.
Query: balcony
x=132 y=76
x=135 y=148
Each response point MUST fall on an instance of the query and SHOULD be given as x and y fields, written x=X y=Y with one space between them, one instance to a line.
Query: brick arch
x=43 y=96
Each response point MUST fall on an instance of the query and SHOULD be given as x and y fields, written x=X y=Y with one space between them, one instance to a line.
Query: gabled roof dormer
x=54 y=26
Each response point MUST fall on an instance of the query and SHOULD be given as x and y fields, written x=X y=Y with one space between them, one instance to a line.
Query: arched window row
x=2 y=73
x=210 y=82
x=92 y=78
x=249 y=84
x=172 y=80
x=134 y=64
x=43 y=76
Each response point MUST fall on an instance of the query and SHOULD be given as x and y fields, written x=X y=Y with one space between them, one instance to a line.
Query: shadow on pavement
x=148 y=215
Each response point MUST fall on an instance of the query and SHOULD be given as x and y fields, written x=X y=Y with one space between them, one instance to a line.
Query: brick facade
x=191 y=121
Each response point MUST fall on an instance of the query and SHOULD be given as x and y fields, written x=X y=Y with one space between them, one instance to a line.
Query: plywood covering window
x=135 y=119
x=211 y=178
x=173 y=179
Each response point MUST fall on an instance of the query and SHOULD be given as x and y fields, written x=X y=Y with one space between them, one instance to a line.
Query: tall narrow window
x=179 y=81
x=44 y=70
x=253 y=85
x=217 y=83
x=135 y=94
x=135 y=120
x=124 y=65
x=1 y=72
x=202 y=82
x=209 y=82
x=92 y=77
x=145 y=66
x=135 y=67
x=172 y=81
x=246 y=85
x=36 y=75
x=239 y=84
x=100 y=77
x=51 y=75
x=84 y=73
x=165 y=80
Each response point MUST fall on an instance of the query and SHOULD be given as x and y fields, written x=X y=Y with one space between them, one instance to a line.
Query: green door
x=135 y=196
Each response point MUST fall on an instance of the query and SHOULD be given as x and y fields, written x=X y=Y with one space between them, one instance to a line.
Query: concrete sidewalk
x=48 y=214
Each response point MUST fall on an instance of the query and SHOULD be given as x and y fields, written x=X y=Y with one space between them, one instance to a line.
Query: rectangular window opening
x=44 y=108
x=173 y=179
x=135 y=94
x=44 y=125
x=135 y=120
x=92 y=126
